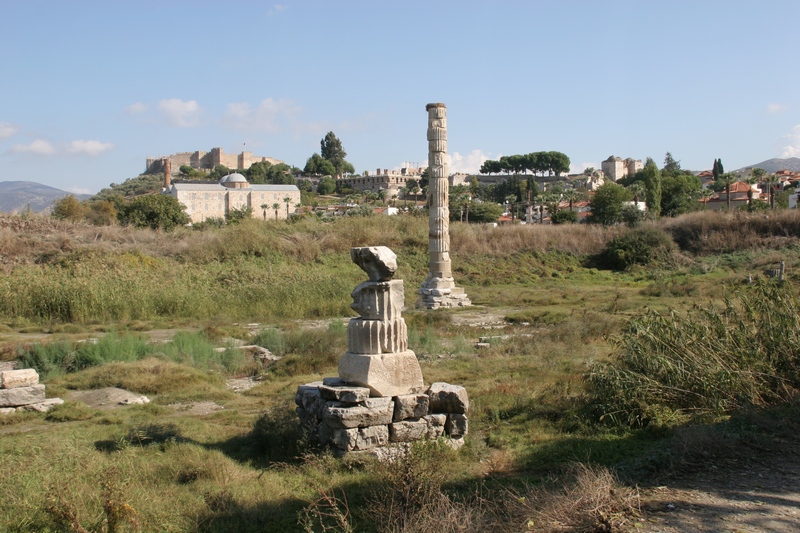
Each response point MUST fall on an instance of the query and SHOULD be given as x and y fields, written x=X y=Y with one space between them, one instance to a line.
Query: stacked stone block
x=20 y=390
x=348 y=419
x=379 y=398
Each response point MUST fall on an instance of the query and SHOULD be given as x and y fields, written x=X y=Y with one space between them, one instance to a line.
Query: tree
x=264 y=208
x=70 y=208
x=326 y=185
x=564 y=217
x=485 y=212
x=237 y=214
x=331 y=150
x=608 y=202
x=639 y=191
x=680 y=194
x=153 y=211
x=772 y=181
x=570 y=195
x=652 y=186
x=276 y=206
x=727 y=179
x=717 y=170
x=670 y=165
x=286 y=200
x=317 y=166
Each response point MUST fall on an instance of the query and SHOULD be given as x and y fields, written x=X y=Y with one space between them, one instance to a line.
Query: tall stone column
x=439 y=289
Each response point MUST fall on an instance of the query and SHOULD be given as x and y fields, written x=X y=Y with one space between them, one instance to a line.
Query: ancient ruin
x=439 y=289
x=20 y=390
x=379 y=398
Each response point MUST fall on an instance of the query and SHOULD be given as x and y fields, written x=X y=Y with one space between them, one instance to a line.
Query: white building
x=215 y=200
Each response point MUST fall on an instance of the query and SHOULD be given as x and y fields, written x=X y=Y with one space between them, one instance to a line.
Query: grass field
x=545 y=303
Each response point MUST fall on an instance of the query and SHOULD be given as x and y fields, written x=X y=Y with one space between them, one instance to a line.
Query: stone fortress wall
x=206 y=161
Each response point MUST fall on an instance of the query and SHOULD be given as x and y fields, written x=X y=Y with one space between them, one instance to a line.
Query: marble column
x=439 y=289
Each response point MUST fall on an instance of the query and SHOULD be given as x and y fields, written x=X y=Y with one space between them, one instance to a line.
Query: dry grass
x=593 y=501
x=578 y=239
x=709 y=232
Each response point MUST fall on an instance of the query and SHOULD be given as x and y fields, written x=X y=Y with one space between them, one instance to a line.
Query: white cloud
x=469 y=163
x=79 y=190
x=774 y=108
x=7 y=130
x=90 y=148
x=37 y=147
x=136 y=108
x=180 y=113
x=267 y=117
x=577 y=168
x=792 y=149
x=276 y=9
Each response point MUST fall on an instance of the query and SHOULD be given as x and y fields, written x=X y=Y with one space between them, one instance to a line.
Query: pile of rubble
x=379 y=398
x=20 y=390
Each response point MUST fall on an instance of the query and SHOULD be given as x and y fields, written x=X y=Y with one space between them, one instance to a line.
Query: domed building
x=215 y=200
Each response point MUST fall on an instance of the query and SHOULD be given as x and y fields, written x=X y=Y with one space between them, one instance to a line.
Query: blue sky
x=90 y=89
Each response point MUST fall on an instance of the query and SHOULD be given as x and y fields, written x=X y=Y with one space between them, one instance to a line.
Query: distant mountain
x=774 y=165
x=18 y=196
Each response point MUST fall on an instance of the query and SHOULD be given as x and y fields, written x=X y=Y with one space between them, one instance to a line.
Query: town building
x=616 y=168
x=216 y=199
x=389 y=180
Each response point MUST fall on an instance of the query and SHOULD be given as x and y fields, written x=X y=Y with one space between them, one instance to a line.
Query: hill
x=776 y=164
x=18 y=196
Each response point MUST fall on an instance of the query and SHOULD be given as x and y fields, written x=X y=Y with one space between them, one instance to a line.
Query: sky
x=90 y=89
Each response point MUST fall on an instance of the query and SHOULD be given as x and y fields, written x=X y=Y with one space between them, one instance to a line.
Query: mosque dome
x=234 y=180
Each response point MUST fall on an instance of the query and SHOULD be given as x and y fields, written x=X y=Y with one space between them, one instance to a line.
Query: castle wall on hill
x=206 y=161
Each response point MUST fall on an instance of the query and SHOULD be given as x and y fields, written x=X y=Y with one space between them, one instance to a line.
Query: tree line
x=544 y=163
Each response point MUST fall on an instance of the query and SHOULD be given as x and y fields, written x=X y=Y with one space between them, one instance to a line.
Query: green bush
x=709 y=361
x=639 y=246
x=565 y=216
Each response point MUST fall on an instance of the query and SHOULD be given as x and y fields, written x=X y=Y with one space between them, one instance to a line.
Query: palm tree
x=752 y=180
x=276 y=206
x=728 y=178
x=394 y=200
x=639 y=192
x=772 y=180
x=264 y=208
x=571 y=195
x=705 y=194
x=510 y=199
x=286 y=200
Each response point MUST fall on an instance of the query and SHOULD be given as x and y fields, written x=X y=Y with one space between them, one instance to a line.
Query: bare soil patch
x=756 y=492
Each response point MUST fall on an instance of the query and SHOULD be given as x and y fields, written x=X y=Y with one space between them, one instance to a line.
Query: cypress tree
x=652 y=184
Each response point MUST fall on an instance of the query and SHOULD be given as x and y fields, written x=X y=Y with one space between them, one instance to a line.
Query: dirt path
x=753 y=494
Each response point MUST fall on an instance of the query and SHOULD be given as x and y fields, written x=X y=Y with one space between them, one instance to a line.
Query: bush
x=709 y=361
x=640 y=246
x=565 y=216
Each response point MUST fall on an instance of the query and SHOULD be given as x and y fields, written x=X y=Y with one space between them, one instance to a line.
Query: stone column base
x=434 y=298
x=386 y=374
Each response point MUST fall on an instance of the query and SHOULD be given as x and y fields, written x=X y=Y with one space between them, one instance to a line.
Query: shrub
x=640 y=246
x=565 y=216
x=708 y=361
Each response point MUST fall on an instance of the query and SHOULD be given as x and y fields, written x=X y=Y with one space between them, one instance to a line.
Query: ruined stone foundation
x=20 y=390
x=379 y=398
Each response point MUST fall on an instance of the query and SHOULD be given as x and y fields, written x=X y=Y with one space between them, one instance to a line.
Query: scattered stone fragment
x=42 y=407
x=139 y=400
